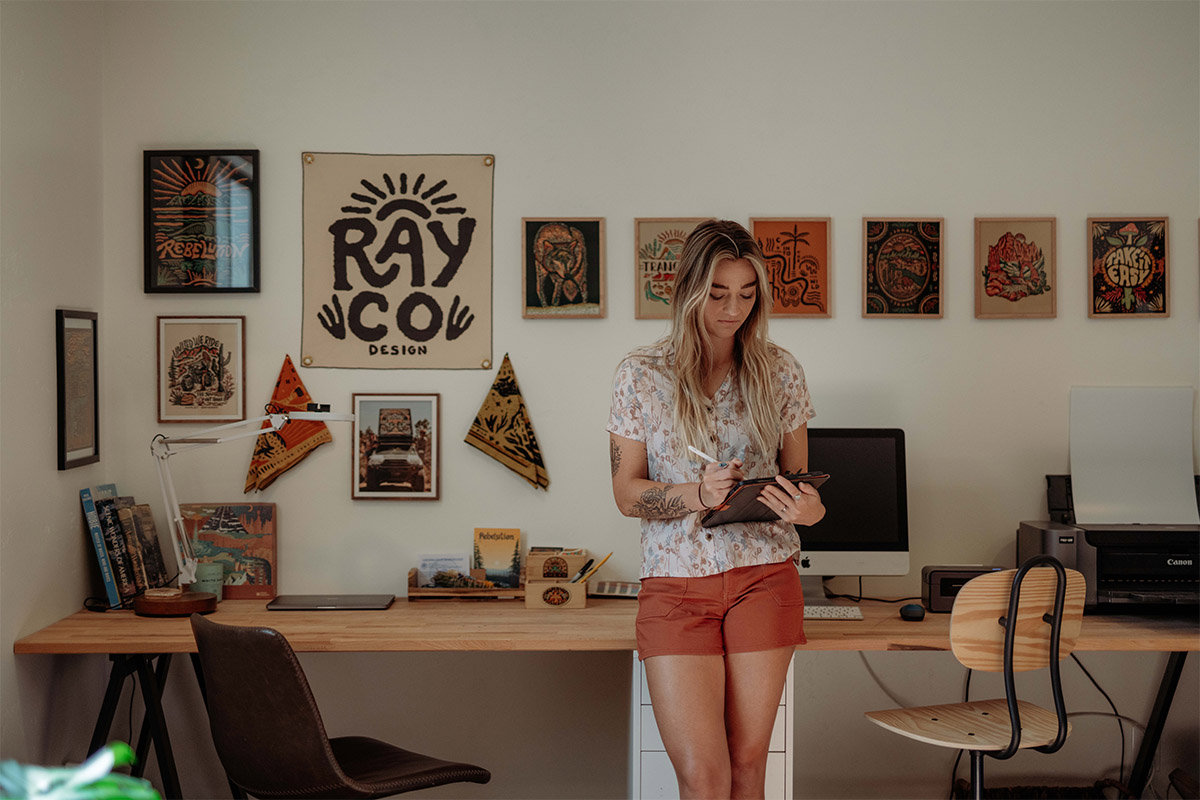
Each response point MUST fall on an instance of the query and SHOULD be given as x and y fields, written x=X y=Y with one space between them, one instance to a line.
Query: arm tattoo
x=654 y=504
x=614 y=456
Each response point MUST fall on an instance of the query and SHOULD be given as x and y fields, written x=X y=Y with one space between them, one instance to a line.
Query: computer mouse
x=912 y=612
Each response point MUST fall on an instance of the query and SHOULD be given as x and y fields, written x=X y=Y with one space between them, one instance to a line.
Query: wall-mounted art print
x=659 y=243
x=564 y=267
x=902 y=266
x=242 y=538
x=796 y=251
x=78 y=398
x=399 y=442
x=1015 y=267
x=397 y=261
x=1130 y=272
x=201 y=228
x=201 y=369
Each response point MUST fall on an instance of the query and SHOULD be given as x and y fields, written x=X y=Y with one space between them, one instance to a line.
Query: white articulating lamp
x=163 y=447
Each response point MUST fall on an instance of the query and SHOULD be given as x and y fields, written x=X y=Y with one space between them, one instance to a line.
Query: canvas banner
x=397 y=261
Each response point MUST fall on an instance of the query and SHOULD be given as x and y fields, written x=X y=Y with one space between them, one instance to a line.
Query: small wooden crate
x=555 y=594
x=552 y=566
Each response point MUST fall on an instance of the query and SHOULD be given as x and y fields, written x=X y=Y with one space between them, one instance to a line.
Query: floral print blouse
x=643 y=389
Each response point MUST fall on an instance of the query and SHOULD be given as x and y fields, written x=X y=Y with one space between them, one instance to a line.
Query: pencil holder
x=555 y=594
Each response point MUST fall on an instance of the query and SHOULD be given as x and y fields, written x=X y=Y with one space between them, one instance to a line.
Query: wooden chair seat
x=979 y=725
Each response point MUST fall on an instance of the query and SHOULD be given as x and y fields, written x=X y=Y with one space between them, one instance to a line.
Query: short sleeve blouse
x=643 y=391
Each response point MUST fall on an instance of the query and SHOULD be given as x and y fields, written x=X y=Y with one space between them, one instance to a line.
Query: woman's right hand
x=717 y=479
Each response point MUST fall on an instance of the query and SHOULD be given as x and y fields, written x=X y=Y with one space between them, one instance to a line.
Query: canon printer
x=1128 y=568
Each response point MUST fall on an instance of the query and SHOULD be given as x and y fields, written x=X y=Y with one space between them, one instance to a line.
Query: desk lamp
x=163 y=447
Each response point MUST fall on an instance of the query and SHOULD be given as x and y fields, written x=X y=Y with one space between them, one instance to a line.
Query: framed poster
x=563 y=274
x=796 y=251
x=201 y=369
x=658 y=243
x=201 y=228
x=1015 y=267
x=1130 y=268
x=78 y=397
x=902 y=267
x=397 y=261
x=399 y=444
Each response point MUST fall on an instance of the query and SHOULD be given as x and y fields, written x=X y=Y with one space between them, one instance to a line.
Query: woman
x=720 y=610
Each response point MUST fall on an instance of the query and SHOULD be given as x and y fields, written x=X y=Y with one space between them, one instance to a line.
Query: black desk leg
x=235 y=790
x=144 y=739
x=121 y=669
x=152 y=697
x=1154 y=727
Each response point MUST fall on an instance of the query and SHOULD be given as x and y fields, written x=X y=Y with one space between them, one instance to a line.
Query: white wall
x=619 y=110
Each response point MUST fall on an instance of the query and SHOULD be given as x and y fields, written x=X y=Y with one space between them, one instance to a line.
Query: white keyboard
x=832 y=612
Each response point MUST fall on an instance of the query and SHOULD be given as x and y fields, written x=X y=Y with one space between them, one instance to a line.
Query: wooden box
x=555 y=594
x=553 y=566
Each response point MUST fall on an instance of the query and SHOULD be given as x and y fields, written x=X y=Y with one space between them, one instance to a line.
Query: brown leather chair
x=269 y=735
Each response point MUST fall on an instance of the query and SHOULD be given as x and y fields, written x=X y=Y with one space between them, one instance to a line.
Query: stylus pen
x=705 y=456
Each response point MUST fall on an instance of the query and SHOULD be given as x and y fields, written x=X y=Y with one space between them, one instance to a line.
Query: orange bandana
x=278 y=451
x=502 y=429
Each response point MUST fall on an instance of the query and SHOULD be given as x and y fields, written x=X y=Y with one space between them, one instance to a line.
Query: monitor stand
x=814 y=591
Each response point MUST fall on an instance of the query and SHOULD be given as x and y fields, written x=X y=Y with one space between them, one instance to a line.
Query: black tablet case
x=741 y=504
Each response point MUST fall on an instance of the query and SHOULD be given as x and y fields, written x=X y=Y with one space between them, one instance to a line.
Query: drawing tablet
x=742 y=505
x=331 y=602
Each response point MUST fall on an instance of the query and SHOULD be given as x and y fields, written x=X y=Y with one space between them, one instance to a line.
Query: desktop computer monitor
x=865 y=528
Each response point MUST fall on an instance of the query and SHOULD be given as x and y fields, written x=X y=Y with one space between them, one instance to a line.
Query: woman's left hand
x=797 y=503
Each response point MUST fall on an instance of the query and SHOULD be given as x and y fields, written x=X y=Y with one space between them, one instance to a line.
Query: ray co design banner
x=397 y=261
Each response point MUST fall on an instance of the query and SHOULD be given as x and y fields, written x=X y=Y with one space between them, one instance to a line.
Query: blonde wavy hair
x=710 y=243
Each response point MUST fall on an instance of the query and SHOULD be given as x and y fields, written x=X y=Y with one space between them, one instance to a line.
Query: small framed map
x=1015 y=267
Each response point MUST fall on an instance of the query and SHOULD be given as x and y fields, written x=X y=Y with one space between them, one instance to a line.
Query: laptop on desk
x=331 y=602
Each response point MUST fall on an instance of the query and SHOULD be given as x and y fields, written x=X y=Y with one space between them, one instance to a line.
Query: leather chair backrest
x=264 y=720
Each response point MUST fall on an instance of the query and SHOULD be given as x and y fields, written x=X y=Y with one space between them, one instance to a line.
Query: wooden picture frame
x=1128 y=267
x=658 y=242
x=902 y=267
x=397 y=452
x=563 y=273
x=201 y=228
x=201 y=374
x=76 y=366
x=796 y=251
x=1015 y=268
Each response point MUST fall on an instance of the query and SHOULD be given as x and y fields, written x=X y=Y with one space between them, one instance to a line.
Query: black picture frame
x=201 y=221
x=78 y=396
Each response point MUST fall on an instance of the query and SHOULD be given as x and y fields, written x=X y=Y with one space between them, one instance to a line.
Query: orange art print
x=796 y=251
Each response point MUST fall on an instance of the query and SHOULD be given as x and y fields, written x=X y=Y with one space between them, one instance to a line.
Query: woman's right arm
x=638 y=496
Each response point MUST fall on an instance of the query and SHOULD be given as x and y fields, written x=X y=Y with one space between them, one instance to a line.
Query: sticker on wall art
x=397 y=261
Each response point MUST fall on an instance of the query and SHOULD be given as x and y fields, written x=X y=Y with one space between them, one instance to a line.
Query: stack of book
x=126 y=544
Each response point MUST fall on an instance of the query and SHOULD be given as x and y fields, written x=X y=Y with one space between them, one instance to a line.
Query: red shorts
x=743 y=610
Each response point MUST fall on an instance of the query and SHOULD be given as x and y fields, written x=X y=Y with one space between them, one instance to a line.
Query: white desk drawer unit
x=653 y=778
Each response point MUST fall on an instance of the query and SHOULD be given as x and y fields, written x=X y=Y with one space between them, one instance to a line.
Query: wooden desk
x=133 y=642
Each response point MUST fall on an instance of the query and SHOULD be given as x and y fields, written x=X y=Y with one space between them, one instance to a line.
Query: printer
x=1128 y=568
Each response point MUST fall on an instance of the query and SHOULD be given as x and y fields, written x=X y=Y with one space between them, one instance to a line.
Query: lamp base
x=174 y=603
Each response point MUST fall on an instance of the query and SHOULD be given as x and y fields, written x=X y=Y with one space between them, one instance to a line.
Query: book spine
x=93 y=521
x=118 y=554
x=133 y=546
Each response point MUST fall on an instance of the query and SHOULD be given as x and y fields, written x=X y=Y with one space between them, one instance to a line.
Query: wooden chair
x=1047 y=606
x=269 y=734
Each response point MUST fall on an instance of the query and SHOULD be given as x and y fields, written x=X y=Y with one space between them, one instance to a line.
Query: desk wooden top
x=507 y=625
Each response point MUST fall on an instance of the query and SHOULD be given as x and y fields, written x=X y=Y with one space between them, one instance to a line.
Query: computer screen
x=865 y=528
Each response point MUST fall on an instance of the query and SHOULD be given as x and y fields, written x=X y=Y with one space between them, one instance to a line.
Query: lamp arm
x=161 y=447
